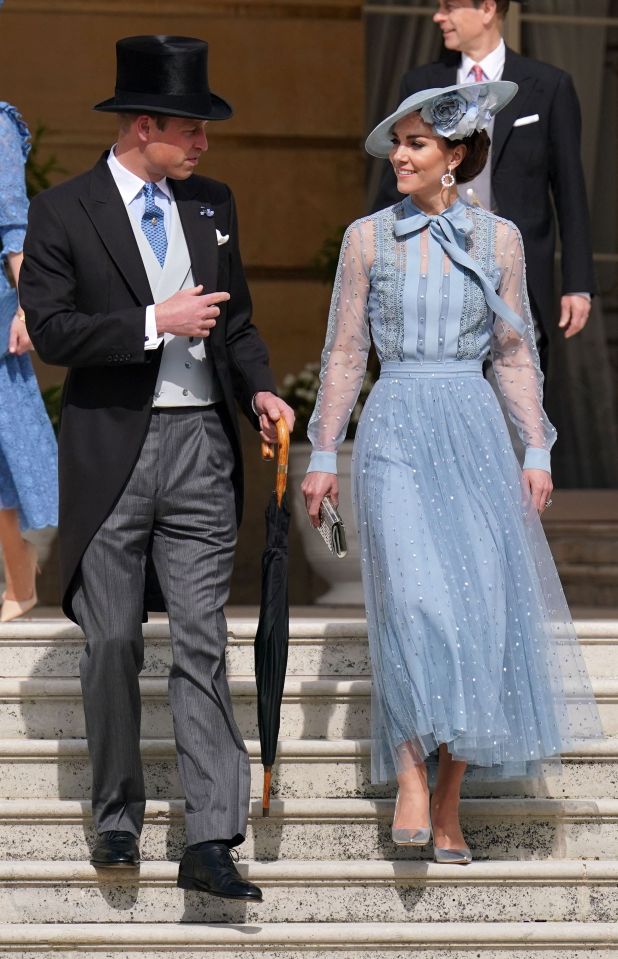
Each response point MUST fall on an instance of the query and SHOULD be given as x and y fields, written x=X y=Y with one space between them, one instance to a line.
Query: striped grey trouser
x=181 y=493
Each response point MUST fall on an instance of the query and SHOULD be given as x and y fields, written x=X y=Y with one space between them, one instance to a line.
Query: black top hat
x=164 y=75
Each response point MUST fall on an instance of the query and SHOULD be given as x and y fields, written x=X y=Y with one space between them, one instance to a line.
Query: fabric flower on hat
x=445 y=113
x=487 y=103
x=455 y=116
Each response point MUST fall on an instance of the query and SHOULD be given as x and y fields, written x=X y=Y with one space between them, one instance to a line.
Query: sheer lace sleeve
x=13 y=201
x=344 y=358
x=515 y=356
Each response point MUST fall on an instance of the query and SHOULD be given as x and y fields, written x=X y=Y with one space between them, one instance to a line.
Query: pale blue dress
x=28 y=455
x=471 y=639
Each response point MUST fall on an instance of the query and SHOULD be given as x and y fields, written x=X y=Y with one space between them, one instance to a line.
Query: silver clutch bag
x=331 y=529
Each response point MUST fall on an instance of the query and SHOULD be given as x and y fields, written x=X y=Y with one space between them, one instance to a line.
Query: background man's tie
x=153 y=224
x=477 y=73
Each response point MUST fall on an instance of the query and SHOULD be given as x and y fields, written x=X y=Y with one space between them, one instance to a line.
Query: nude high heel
x=453 y=857
x=415 y=836
x=14 y=608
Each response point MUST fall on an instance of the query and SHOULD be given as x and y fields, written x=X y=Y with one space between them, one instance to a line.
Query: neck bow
x=450 y=229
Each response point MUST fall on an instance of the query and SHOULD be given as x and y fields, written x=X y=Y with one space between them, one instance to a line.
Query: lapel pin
x=206 y=211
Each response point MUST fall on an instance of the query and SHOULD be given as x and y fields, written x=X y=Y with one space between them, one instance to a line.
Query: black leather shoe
x=115 y=849
x=211 y=869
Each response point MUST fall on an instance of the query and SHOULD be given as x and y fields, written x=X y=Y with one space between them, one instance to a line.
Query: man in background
x=535 y=157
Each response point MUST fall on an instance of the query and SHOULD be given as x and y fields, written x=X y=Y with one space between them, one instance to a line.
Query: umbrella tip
x=266 y=791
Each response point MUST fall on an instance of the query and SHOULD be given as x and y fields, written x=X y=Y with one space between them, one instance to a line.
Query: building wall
x=292 y=153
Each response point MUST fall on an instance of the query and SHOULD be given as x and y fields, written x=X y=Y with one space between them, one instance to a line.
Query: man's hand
x=269 y=409
x=315 y=487
x=540 y=485
x=574 y=313
x=189 y=312
x=19 y=341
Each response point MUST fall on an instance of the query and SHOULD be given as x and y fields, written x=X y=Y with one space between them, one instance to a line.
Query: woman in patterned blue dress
x=28 y=468
x=474 y=656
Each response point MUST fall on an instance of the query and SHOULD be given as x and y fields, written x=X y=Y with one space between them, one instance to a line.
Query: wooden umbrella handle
x=283 y=452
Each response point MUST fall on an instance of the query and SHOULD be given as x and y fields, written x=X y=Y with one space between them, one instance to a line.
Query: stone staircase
x=544 y=881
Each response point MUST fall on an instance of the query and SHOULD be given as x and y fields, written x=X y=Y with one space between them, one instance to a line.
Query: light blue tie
x=153 y=223
x=450 y=230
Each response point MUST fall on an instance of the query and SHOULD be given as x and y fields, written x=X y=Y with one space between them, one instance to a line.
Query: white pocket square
x=222 y=239
x=524 y=121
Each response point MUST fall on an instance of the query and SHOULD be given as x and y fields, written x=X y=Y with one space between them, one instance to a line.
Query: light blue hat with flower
x=453 y=112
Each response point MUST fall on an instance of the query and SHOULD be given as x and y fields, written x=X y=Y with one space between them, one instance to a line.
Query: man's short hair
x=502 y=7
x=126 y=119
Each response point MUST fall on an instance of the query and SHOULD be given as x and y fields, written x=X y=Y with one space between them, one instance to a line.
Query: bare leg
x=413 y=803
x=19 y=557
x=445 y=802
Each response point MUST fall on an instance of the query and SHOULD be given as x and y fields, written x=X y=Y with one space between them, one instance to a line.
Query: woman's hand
x=19 y=341
x=315 y=487
x=540 y=485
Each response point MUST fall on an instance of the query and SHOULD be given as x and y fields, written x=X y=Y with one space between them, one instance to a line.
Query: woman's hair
x=477 y=150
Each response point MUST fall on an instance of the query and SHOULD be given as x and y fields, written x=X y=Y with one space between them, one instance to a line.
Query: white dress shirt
x=479 y=189
x=130 y=188
x=492 y=65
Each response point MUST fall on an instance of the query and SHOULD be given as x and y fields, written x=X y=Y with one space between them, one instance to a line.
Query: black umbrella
x=273 y=632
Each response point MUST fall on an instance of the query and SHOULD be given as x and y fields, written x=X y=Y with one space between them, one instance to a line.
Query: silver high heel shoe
x=452 y=857
x=410 y=837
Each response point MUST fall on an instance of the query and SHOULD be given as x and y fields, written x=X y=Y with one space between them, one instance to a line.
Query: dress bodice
x=440 y=312
x=14 y=148
x=443 y=289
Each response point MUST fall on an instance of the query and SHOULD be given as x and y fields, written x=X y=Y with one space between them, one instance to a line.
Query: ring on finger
x=547 y=504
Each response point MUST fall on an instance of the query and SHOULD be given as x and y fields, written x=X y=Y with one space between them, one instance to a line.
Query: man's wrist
x=254 y=400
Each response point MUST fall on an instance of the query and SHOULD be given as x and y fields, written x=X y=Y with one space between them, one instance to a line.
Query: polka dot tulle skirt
x=472 y=644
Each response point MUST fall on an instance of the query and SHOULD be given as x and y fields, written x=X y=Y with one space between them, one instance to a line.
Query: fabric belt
x=417 y=368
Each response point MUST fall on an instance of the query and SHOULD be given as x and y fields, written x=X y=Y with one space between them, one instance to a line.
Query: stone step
x=59 y=768
x=313 y=940
x=312 y=708
x=335 y=829
x=589 y=583
x=574 y=543
x=54 y=648
x=317 y=647
x=316 y=891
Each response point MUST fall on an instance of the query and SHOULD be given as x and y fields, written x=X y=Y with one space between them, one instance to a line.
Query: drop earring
x=447 y=180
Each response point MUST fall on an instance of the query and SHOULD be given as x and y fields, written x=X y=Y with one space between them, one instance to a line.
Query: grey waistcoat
x=186 y=375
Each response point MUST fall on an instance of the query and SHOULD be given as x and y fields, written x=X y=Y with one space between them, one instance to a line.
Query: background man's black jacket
x=529 y=162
